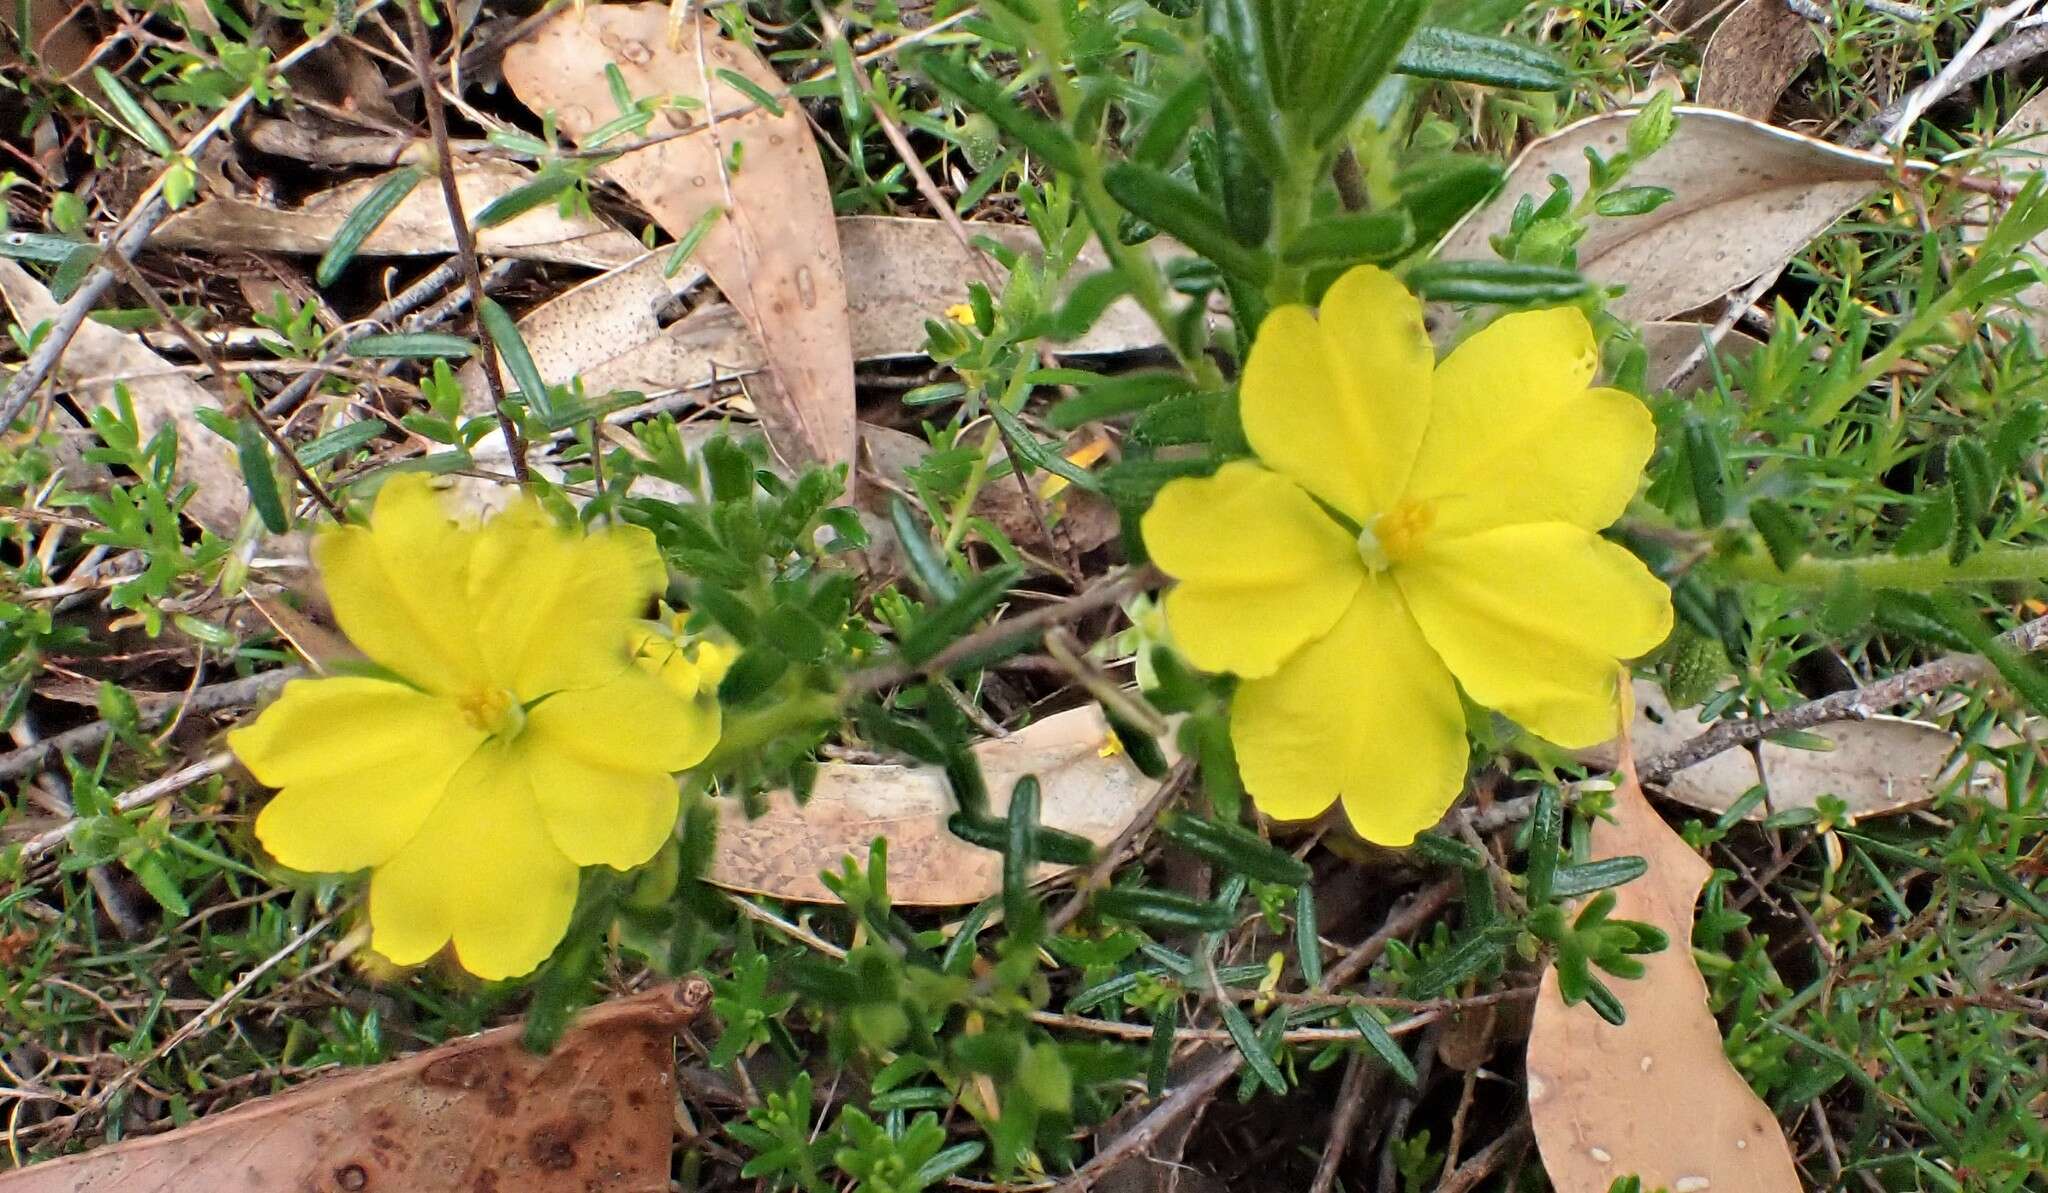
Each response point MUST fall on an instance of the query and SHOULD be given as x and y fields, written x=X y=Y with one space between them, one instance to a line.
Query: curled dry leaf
x=1656 y=1096
x=99 y=356
x=1753 y=56
x=1671 y=343
x=1083 y=789
x=480 y=1113
x=1749 y=197
x=1878 y=766
x=417 y=226
x=772 y=251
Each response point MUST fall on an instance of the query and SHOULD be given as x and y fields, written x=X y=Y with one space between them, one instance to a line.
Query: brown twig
x=1490 y=1158
x=1359 y=1074
x=232 y=399
x=465 y=241
x=1104 y=594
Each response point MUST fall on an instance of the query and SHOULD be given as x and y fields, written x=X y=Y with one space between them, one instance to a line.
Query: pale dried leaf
x=481 y=1113
x=773 y=252
x=2023 y=148
x=1671 y=343
x=899 y=273
x=1656 y=1096
x=162 y=397
x=1877 y=767
x=417 y=226
x=1753 y=56
x=1749 y=197
x=1083 y=789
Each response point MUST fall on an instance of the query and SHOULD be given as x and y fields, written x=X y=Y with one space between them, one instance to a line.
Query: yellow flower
x=515 y=743
x=961 y=313
x=1410 y=526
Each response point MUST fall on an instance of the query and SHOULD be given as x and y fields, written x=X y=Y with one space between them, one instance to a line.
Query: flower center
x=493 y=711
x=1395 y=535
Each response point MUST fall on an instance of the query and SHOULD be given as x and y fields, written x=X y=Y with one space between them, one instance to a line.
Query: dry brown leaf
x=1656 y=1096
x=481 y=1114
x=1753 y=56
x=418 y=225
x=1877 y=767
x=899 y=272
x=162 y=397
x=1749 y=197
x=773 y=252
x=1670 y=344
x=1083 y=790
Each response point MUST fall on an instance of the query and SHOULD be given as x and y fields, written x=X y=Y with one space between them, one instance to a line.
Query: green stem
x=1911 y=572
x=1294 y=195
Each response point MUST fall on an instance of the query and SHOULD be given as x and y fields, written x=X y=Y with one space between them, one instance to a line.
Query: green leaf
x=1020 y=855
x=1085 y=303
x=1633 y=200
x=1168 y=129
x=1166 y=910
x=1438 y=53
x=1383 y=1044
x=1707 y=470
x=926 y=565
x=1503 y=282
x=412 y=345
x=504 y=333
x=1308 y=942
x=1026 y=447
x=1374 y=50
x=134 y=118
x=525 y=197
x=1572 y=882
x=368 y=215
x=1119 y=395
x=1477 y=952
x=1255 y=1054
x=340 y=442
x=749 y=88
x=949 y=621
x=1546 y=831
x=692 y=236
x=1351 y=239
x=1181 y=211
x=1035 y=133
x=1235 y=848
x=252 y=451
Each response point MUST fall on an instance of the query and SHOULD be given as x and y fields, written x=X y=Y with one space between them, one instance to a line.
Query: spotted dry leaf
x=480 y=1114
x=1656 y=1096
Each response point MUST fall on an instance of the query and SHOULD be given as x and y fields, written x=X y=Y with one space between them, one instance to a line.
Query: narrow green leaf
x=412 y=345
x=975 y=599
x=1573 y=882
x=1165 y=910
x=1236 y=848
x=1505 y=282
x=1035 y=133
x=1438 y=53
x=1255 y=1055
x=525 y=197
x=1181 y=211
x=252 y=451
x=1546 y=831
x=1383 y=1045
x=340 y=442
x=1308 y=941
x=926 y=565
x=368 y=215
x=1351 y=239
x=504 y=333
x=749 y=88
x=1168 y=129
x=1020 y=855
x=1118 y=395
x=1376 y=48
x=134 y=118
x=1027 y=447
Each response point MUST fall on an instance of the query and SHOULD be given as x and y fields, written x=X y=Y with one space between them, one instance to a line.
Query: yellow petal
x=1532 y=620
x=599 y=761
x=551 y=605
x=1515 y=436
x=1262 y=568
x=482 y=871
x=395 y=585
x=361 y=762
x=1339 y=404
x=1368 y=714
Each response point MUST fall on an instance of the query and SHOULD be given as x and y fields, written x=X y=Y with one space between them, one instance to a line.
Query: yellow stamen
x=1396 y=535
x=494 y=711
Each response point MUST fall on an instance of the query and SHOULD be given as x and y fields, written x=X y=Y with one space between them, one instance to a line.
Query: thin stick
x=212 y=698
x=139 y=797
x=465 y=243
x=1924 y=97
x=1111 y=590
x=1489 y=1158
x=1350 y=1100
x=2020 y=47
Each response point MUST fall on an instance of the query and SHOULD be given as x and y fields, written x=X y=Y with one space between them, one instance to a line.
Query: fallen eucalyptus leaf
x=418 y=225
x=1877 y=767
x=479 y=1113
x=772 y=253
x=1654 y=1097
x=162 y=396
x=1749 y=197
x=1755 y=53
x=1671 y=343
x=1084 y=789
